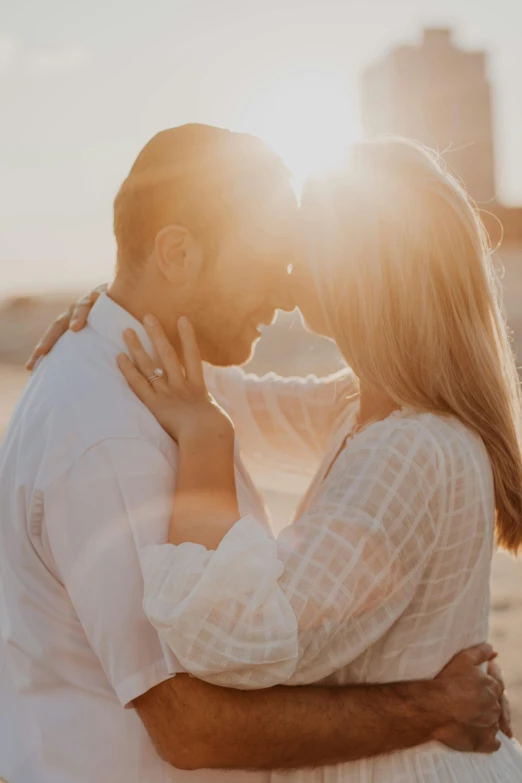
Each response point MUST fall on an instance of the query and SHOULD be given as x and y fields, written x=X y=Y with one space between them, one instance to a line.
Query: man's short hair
x=204 y=178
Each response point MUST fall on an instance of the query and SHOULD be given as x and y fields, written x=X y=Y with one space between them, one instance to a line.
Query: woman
x=384 y=575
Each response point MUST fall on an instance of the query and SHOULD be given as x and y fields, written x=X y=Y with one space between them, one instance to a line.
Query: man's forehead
x=279 y=216
x=280 y=235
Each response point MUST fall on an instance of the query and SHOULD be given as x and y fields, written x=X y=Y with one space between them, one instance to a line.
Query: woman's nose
x=283 y=296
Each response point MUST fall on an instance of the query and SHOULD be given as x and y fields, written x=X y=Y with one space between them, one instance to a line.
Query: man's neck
x=139 y=300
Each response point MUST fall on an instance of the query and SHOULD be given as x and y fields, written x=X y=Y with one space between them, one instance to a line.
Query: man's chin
x=235 y=354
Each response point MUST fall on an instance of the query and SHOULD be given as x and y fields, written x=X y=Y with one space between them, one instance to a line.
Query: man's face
x=244 y=284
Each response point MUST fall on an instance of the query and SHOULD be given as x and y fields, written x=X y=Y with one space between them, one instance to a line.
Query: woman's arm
x=256 y=612
x=205 y=503
x=274 y=613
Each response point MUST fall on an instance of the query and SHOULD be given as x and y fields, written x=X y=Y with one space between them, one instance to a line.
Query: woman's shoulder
x=447 y=432
x=442 y=441
x=406 y=436
x=407 y=460
x=392 y=465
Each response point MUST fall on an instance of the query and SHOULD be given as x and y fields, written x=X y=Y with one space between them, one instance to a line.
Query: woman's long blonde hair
x=409 y=289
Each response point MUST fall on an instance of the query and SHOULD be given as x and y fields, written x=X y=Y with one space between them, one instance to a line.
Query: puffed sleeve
x=258 y=612
x=283 y=424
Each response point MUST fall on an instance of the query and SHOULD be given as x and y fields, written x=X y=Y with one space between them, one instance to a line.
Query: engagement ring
x=158 y=373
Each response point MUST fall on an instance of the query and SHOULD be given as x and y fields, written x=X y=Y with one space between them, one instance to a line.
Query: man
x=204 y=227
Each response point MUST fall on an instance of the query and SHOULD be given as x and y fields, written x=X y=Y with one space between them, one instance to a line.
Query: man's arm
x=195 y=725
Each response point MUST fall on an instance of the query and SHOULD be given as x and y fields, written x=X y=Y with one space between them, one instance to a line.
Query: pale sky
x=85 y=83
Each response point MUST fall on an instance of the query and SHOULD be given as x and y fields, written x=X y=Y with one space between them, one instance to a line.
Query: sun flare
x=306 y=117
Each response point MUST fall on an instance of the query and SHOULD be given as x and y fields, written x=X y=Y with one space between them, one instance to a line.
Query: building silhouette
x=440 y=95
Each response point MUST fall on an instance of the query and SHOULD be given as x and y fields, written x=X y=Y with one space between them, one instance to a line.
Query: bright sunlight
x=306 y=117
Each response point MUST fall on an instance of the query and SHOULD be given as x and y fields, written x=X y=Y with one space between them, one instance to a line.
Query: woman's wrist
x=194 y=440
x=213 y=431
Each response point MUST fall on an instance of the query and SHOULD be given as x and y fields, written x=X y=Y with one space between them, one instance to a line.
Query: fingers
x=141 y=358
x=166 y=352
x=81 y=310
x=488 y=710
x=191 y=355
x=486 y=742
x=75 y=318
x=495 y=671
x=139 y=385
x=497 y=688
x=50 y=338
x=470 y=739
x=505 y=717
x=480 y=653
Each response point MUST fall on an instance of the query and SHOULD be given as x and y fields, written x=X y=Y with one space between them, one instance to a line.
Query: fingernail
x=183 y=322
x=129 y=333
x=73 y=324
x=150 y=320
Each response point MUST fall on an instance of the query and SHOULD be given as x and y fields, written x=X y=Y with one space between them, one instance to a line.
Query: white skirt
x=432 y=763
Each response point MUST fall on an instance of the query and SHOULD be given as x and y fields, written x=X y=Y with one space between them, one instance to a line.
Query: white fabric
x=383 y=577
x=86 y=480
x=283 y=425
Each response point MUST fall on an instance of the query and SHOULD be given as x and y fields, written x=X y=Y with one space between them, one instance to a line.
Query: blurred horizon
x=84 y=85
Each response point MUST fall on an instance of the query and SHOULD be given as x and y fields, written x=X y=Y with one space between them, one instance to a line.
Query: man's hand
x=472 y=701
x=74 y=318
x=505 y=716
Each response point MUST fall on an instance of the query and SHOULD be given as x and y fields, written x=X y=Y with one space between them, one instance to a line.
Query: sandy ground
x=506 y=609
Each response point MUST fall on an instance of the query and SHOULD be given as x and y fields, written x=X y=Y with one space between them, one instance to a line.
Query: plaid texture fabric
x=394 y=545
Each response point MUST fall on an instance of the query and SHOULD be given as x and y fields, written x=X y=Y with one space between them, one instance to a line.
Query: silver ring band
x=157 y=375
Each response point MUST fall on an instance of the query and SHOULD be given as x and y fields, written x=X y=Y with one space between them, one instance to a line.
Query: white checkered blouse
x=383 y=576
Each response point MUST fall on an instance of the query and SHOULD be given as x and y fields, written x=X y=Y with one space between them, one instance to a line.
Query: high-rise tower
x=440 y=95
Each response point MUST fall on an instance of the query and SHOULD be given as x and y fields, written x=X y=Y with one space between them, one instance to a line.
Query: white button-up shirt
x=86 y=480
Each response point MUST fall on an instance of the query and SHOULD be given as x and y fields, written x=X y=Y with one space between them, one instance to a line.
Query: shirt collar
x=110 y=320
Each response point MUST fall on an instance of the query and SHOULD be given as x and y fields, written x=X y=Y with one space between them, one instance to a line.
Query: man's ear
x=179 y=256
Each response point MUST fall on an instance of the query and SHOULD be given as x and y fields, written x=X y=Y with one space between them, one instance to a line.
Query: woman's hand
x=205 y=501
x=74 y=318
x=179 y=399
